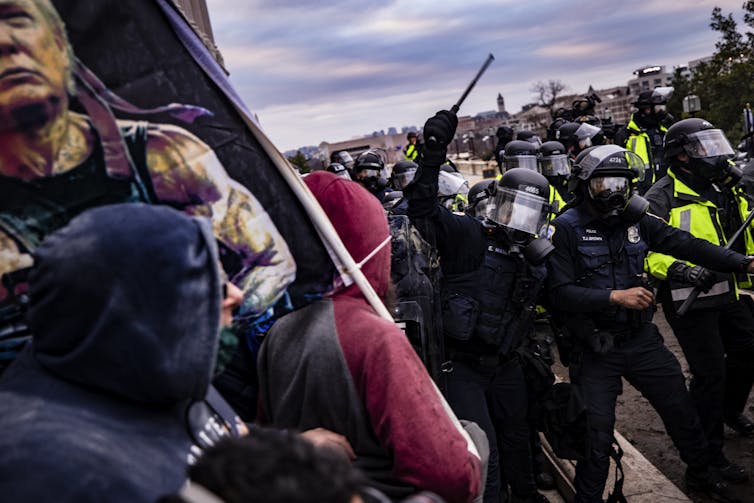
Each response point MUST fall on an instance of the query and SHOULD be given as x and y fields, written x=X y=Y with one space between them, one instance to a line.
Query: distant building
x=649 y=77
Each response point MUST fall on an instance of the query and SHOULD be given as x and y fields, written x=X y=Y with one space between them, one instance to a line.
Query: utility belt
x=480 y=362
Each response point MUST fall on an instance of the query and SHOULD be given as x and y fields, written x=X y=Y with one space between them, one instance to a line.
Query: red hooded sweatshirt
x=336 y=364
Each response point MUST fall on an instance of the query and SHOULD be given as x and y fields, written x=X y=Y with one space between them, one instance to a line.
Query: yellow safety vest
x=692 y=213
x=411 y=152
x=638 y=143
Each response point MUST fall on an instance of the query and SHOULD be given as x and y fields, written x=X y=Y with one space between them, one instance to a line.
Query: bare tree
x=548 y=92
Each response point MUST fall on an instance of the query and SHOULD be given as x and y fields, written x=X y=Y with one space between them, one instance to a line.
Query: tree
x=299 y=160
x=724 y=83
x=548 y=93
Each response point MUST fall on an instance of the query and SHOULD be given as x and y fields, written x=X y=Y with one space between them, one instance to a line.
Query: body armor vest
x=609 y=261
x=495 y=303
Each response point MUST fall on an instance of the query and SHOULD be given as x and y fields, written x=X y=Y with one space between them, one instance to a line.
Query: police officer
x=411 y=152
x=698 y=195
x=369 y=170
x=479 y=196
x=504 y=135
x=490 y=283
x=577 y=136
x=555 y=165
x=526 y=154
x=344 y=158
x=643 y=135
x=339 y=169
x=596 y=277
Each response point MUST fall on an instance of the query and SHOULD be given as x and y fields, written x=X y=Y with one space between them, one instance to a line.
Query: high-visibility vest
x=411 y=152
x=638 y=143
x=691 y=212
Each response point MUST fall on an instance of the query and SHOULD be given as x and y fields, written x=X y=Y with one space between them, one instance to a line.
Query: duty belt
x=486 y=362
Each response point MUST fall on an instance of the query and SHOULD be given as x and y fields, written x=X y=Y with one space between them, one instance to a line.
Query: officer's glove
x=439 y=131
x=601 y=341
x=696 y=276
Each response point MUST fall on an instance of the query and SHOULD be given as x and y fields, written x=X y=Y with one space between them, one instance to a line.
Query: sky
x=334 y=70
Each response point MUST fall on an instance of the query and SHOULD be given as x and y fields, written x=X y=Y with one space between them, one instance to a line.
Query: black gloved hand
x=696 y=276
x=601 y=341
x=439 y=130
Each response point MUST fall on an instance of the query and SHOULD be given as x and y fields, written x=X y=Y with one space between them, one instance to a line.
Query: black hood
x=126 y=300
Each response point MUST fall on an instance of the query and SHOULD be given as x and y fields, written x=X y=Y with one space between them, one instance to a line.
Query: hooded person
x=337 y=364
x=108 y=401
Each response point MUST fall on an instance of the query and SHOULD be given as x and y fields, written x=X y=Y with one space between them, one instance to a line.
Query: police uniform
x=718 y=323
x=488 y=298
x=591 y=258
x=646 y=142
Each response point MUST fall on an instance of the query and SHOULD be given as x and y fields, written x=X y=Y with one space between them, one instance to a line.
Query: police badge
x=632 y=234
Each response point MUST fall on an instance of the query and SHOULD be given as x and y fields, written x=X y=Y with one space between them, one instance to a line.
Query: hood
x=360 y=221
x=126 y=300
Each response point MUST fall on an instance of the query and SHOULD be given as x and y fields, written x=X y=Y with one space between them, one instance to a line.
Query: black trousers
x=652 y=369
x=496 y=400
x=719 y=347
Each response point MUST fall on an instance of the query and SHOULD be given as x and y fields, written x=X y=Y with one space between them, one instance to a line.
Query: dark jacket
x=337 y=364
x=125 y=309
x=573 y=261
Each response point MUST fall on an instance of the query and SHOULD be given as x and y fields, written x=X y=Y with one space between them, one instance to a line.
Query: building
x=649 y=77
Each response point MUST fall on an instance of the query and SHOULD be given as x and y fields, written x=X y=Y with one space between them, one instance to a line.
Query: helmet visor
x=586 y=131
x=608 y=184
x=518 y=210
x=707 y=143
x=400 y=180
x=364 y=173
x=612 y=158
x=555 y=165
x=520 y=161
x=450 y=184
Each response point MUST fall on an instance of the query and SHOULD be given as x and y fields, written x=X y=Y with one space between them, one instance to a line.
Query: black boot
x=731 y=472
x=740 y=423
x=709 y=482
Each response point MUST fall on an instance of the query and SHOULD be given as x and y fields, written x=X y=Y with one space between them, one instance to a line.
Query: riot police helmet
x=553 y=159
x=452 y=188
x=520 y=154
x=342 y=157
x=519 y=204
x=706 y=147
x=339 y=169
x=403 y=173
x=369 y=170
x=529 y=136
x=479 y=195
x=604 y=174
x=577 y=135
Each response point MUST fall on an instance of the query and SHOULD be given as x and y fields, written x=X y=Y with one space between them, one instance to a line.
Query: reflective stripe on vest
x=681 y=294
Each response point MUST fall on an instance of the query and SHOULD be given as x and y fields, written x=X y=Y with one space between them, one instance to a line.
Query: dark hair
x=275 y=467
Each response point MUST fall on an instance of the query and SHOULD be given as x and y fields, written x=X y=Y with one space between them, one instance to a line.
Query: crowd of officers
x=598 y=231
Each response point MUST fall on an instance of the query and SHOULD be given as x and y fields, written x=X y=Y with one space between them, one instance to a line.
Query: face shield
x=339 y=170
x=518 y=210
x=611 y=159
x=555 y=165
x=400 y=180
x=450 y=184
x=586 y=134
x=707 y=143
x=520 y=161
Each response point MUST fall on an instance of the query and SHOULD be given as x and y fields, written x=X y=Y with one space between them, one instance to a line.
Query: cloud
x=334 y=69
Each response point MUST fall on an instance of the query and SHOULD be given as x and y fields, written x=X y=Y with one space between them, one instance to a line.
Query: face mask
x=709 y=168
x=345 y=280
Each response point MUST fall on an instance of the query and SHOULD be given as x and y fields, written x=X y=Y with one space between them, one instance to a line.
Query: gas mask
x=609 y=194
